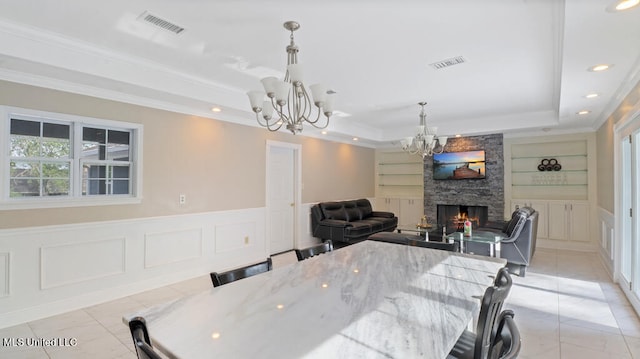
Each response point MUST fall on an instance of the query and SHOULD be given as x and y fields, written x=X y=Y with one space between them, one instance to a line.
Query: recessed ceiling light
x=592 y=95
x=216 y=109
x=622 y=5
x=324 y=132
x=598 y=68
x=583 y=112
x=458 y=136
x=355 y=138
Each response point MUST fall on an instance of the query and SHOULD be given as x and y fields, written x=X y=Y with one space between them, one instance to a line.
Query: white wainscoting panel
x=49 y=270
x=606 y=221
x=234 y=236
x=5 y=274
x=170 y=247
x=77 y=262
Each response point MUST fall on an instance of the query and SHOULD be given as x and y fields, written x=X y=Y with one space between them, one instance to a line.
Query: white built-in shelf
x=570 y=182
x=400 y=175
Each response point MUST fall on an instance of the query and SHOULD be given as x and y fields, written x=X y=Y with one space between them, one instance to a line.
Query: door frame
x=297 y=189
x=621 y=129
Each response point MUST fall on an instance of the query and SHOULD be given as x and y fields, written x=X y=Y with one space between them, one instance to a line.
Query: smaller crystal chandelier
x=425 y=141
x=289 y=98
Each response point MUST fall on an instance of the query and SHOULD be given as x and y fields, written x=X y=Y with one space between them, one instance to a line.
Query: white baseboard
x=568 y=245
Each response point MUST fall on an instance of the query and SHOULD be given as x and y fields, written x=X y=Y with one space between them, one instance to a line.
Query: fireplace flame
x=459 y=219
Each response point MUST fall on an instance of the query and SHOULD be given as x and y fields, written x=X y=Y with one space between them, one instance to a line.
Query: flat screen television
x=459 y=165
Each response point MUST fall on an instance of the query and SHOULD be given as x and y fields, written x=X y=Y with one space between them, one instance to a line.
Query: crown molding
x=58 y=52
x=621 y=93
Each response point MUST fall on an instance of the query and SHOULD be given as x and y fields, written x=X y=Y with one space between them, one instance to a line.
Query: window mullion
x=76 y=170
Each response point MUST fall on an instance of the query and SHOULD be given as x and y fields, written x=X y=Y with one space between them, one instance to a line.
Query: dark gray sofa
x=349 y=221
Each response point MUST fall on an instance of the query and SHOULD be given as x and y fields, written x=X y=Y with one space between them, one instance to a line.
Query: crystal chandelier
x=425 y=141
x=289 y=98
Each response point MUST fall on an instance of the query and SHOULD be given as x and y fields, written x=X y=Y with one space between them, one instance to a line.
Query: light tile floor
x=566 y=307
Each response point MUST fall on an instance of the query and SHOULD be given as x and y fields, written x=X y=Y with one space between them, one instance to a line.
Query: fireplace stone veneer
x=487 y=192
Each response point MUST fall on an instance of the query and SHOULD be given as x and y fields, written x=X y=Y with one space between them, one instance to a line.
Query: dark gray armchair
x=520 y=234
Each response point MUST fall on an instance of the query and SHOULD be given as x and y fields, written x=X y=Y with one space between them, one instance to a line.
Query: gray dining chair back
x=507 y=343
x=324 y=247
x=141 y=340
x=233 y=275
x=478 y=345
x=452 y=247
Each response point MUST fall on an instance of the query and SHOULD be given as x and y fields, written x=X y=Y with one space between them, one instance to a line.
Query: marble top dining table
x=368 y=300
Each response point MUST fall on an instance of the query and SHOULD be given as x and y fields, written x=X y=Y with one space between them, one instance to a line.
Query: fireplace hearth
x=454 y=216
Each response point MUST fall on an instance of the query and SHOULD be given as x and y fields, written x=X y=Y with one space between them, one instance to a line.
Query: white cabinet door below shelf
x=408 y=210
x=387 y=205
x=579 y=222
x=411 y=210
x=557 y=221
x=569 y=220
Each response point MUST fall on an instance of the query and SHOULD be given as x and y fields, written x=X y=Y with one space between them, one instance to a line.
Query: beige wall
x=218 y=165
x=604 y=140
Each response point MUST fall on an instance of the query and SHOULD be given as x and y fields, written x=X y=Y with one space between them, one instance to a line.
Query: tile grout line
x=107 y=329
x=36 y=336
x=556 y=274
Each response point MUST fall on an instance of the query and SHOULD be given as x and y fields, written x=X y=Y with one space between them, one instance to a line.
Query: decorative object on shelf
x=423 y=223
x=549 y=165
x=289 y=98
x=426 y=139
x=551 y=179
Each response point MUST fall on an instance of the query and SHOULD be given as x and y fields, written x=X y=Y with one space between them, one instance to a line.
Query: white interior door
x=632 y=215
x=627 y=245
x=627 y=207
x=281 y=198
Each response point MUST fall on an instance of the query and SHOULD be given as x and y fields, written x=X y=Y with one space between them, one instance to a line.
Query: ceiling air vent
x=448 y=62
x=161 y=23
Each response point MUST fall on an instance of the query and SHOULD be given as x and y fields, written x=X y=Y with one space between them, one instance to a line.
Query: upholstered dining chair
x=453 y=247
x=507 y=342
x=141 y=340
x=219 y=279
x=326 y=246
x=478 y=345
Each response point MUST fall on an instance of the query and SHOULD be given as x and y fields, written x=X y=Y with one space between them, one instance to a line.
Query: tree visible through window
x=40 y=159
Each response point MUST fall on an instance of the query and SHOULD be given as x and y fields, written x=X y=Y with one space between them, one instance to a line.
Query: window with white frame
x=105 y=161
x=60 y=160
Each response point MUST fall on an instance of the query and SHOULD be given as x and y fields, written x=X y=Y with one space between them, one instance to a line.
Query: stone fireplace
x=487 y=192
x=454 y=216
